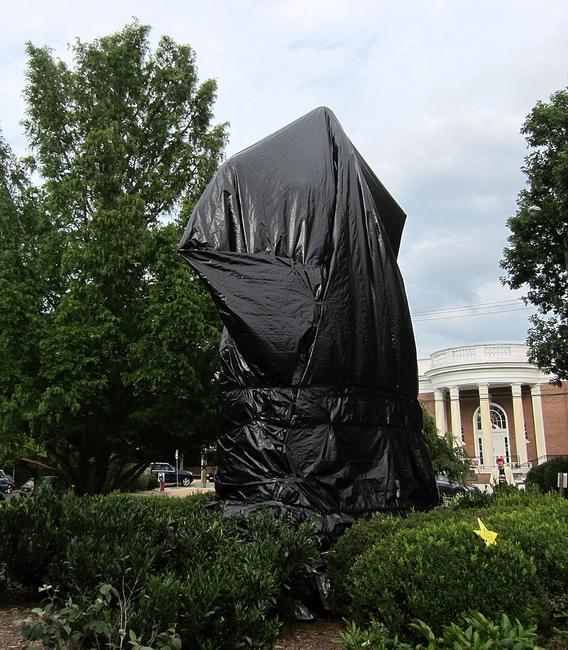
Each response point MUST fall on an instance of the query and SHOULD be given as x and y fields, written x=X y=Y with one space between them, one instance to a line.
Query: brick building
x=491 y=397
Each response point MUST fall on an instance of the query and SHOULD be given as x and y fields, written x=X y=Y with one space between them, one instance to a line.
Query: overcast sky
x=433 y=94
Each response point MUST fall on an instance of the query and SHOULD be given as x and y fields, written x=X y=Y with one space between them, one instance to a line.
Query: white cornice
x=469 y=366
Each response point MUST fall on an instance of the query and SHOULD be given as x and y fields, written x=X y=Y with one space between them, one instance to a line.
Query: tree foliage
x=20 y=299
x=109 y=342
x=537 y=254
x=446 y=458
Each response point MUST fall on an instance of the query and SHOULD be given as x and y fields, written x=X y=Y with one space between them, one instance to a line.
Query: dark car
x=450 y=489
x=171 y=477
x=9 y=478
x=28 y=487
x=5 y=487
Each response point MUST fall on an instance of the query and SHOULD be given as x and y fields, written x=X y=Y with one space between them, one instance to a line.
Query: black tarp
x=297 y=240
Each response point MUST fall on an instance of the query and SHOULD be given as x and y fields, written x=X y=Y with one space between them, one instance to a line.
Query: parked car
x=9 y=478
x=5 y=487
x=28 y=487
x=171 y=477
x=448 y=488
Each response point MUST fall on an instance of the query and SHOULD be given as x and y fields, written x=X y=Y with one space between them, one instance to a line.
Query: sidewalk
x=177 y=491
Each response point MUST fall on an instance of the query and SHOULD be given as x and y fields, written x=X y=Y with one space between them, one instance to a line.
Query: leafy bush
x=477 y=632
x=341 y=558
x=537 y=523
x=146 y=482
x=431 y=565
x=221 y=581
x=92 y=623
x=545 y=475
x=446 y=457
x=436 y=573
x=542 y=536
x=32 y=536
x=374 y=637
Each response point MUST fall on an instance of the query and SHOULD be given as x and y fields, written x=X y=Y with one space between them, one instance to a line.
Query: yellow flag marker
x=488 y=536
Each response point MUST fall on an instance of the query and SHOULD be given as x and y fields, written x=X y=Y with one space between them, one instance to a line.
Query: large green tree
x=21 y=230
x=537 y=255
x=113 y=338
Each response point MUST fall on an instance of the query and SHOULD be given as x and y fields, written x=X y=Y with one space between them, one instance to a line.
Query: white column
x=538 y=422
x=519 y=421
x=440 y=412
x=455 y=414
x=486 y=429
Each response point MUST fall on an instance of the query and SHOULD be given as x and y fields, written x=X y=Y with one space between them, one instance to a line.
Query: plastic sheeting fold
x=296 y=239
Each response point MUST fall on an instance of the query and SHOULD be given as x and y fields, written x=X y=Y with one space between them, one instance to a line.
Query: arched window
x=497 y=416
x=500 y=430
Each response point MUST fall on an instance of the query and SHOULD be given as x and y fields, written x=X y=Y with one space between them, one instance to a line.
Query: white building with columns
x=495 y=403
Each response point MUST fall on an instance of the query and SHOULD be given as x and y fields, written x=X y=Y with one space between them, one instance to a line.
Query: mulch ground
x=317 y=635
x=10 y=638
x=11 y=614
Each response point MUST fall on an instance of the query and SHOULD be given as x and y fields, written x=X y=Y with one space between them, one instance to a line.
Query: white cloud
x=432 y=94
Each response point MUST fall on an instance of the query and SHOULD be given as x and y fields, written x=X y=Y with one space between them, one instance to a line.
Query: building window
x=497 y=416
x=500 y=431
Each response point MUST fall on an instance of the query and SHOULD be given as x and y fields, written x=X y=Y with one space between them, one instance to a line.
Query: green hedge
x=431 y=566
x=220 y=581
x=226 y=583
x=545 y=475
x=438 y=572
x=32 y=536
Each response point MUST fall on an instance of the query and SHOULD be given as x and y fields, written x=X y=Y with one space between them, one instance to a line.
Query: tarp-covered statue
x=297 y=240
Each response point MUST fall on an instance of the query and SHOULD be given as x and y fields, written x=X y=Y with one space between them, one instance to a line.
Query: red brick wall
x=555 y=415
x=469 y=401
x=428 y=400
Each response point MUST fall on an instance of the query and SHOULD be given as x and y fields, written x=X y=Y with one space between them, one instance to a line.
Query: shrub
x=477 y=632
x=110 y=539
x=235 y=582
x=92 y=622
x=358 y=539
x=146 y=482
x=438 y=572
x=374 y=637
x=32 y=536
x=221 y=580
x=537 y=522
x=410 y=567
x=545 y=475
x=542 y=535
